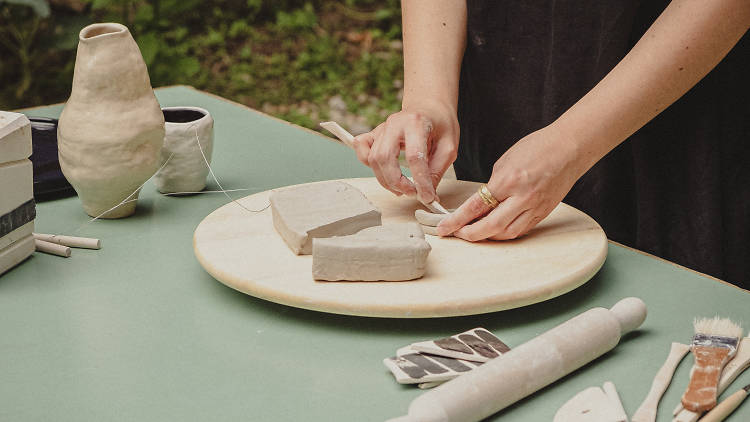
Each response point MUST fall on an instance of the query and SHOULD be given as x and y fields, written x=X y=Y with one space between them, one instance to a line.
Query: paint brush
x=348 y=140
x=726 y=407
x=714 y=344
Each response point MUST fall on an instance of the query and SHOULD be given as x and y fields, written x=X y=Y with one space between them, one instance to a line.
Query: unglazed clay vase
x=111 y=130
x=184 y=168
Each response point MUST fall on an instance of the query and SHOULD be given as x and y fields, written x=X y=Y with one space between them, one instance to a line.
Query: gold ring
x=487 y=197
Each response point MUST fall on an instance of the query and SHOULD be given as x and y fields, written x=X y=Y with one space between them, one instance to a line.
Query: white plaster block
x=17 y=234
x=15 y=137
x=16 y=184
x=15 y=253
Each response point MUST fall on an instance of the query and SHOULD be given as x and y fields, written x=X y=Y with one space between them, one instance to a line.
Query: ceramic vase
x=111 y=130
x=184 y=168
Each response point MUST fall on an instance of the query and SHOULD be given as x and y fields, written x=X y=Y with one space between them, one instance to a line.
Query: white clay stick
x=72 y=241
x=647 y=411
x=733 y=369
x=348 y=140
x=529 y=367
x=615 y=402
x=52 y=248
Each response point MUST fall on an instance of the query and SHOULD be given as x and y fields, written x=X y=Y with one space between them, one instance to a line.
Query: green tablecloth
x=139 y=331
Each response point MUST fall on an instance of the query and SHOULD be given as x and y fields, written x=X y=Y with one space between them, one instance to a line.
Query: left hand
x=529 y=180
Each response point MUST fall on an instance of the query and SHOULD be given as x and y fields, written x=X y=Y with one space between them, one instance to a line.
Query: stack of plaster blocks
x=17 y=209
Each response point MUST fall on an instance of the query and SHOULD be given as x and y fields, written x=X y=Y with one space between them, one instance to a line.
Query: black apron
x=678 y=188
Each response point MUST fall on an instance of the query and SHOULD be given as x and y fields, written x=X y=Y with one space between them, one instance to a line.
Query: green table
x=139 y=331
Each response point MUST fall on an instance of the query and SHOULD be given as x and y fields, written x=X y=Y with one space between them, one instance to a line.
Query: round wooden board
x=243 y=251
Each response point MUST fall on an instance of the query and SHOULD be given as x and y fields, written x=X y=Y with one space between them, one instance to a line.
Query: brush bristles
x=723 y=327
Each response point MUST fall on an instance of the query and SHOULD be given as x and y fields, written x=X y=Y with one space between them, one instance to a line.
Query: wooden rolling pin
x=529 y=367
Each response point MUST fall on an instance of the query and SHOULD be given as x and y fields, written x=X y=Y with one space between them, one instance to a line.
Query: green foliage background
x=301 y=60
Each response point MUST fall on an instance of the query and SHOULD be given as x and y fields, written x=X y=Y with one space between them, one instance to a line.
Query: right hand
x=428 y=134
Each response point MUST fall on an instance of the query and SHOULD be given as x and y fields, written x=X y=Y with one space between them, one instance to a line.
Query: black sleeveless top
x=678 y=188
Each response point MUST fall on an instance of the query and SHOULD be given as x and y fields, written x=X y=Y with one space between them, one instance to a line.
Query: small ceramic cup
x=186 y=170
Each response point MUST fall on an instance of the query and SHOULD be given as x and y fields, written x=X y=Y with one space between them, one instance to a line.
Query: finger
x=362 y=146
x=417 y=136
x=443 y=155
x=470 y=210
x=516 y=228
x=378 y=175
x=531 y=224
x=385 y=154
x=493 y=223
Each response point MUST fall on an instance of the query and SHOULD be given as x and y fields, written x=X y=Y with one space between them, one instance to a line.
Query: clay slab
x=392 y=252
x=243 y=251
x=17 y=234
x=301 y=213
x=15 y=137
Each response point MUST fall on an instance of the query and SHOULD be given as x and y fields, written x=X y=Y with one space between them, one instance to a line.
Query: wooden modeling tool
x=593 y=404
x=726 y=407
x=733 y=369
x=647 y=411
x=714 y=344
x=72 y=241
x=529 y=367
x=348 y=140
x=52 y=248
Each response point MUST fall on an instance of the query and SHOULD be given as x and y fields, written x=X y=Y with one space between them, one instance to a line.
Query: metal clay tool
x=348 y=140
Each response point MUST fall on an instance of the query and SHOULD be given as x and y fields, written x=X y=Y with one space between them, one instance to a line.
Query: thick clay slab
x=394 y=252
x=301 y=213
x=16 y=185
x=15 y=137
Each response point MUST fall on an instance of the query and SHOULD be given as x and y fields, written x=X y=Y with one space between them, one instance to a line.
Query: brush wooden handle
x=704 y=379
x=647 y=411
x=724 y=408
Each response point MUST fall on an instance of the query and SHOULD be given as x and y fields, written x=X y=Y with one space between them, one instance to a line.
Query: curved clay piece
x=393 y=252
x=301 y=213
x=591 y=404
x=432 y=231
x=427 y=218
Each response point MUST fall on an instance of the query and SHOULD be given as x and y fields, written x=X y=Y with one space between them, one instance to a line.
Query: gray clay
x=394 y=252
x=319 y=210
x=427 y=218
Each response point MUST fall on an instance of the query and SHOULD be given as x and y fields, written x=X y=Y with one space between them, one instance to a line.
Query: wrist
x=428 y=103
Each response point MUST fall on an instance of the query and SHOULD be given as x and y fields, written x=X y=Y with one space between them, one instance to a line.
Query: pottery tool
x=726 y=407
x=647 y=411
x=714 y=344
x=529 y=367
x=348 y=140
x=476 y=345
x=411 y=367
x=731 y=371
x=440 y=360
x=72 y=241
x=593 y=404
x=52 y=248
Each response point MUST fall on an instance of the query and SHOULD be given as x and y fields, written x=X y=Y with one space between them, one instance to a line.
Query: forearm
x=680 y=48
x=434 y=38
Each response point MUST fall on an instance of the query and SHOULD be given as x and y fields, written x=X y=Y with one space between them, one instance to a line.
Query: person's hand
x=529 y=180
x=428 y=134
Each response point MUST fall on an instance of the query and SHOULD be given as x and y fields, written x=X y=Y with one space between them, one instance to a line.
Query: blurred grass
x=303 y=61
